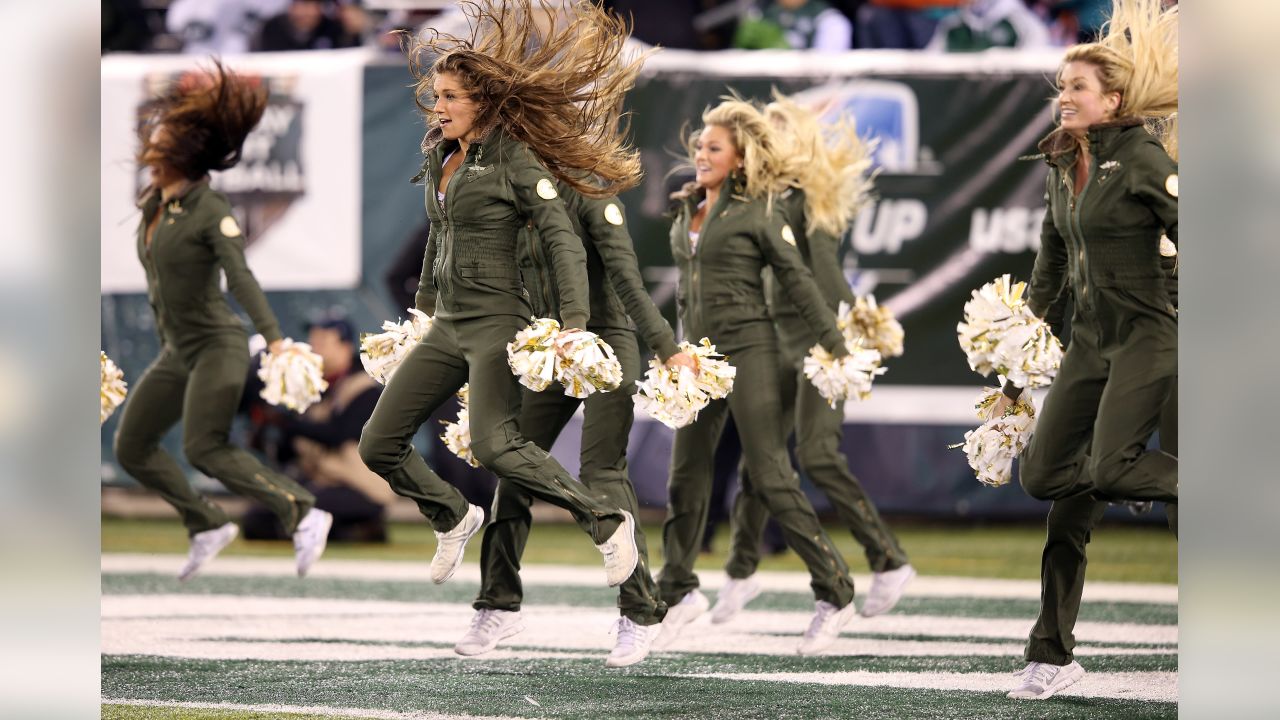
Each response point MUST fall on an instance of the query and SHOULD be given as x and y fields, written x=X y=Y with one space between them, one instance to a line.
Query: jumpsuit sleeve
x=1050 y=272
x=227 y=241
x=536 y=196
x=796 y=280
x=604 y=223
x=1154 y=180
x=425 y=299
x=824 y=258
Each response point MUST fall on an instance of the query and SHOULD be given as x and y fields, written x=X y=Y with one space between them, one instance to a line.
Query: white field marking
x=224 y=627
x=301 y=710
x=1148 y=686
x=573 y=575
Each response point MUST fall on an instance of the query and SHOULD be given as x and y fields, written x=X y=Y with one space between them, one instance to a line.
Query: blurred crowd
x=235 y=26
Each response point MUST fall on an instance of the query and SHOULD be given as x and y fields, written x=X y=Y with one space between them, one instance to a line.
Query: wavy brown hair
x=206 y=115
x=552 y=79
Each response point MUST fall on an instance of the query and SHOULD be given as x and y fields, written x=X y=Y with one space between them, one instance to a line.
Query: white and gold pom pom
x=381 y=353
x=532 y=354
x=112 y=390
x=457 y=434
x=675 y=396
x=844 y=378
x=875 y=324
x=581 y=361
x=992 y=447
x=292 y=378
x=587 y=364
x=1000 y=334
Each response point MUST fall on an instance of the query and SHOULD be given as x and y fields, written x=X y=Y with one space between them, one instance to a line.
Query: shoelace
x=485 y=621
x=825 y=612
x=1040 y=675
x=628 y=632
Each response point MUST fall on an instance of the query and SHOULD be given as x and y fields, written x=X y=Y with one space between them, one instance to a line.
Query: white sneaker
x=488 y=628
x=310 y=539
x=620 y=553
x=1043 y=680
x=682 y=613
x=449 y=545
x=633 y=643
x=733 y=597
x=828 y=620
x=886 y=590
x=205 y=546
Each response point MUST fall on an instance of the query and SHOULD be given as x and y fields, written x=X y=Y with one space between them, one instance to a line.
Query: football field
x=371 y=638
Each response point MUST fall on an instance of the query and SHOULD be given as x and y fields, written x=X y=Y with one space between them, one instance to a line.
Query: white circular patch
x=613 y=214
x=1167 y=248
x=787 y=235
x=1171 y=185
x=546 y=190
x=229 y=227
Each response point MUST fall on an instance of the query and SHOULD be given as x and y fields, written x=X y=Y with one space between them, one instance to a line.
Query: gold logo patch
x=788 y=236
x=229 y=227
x=613 y=214
x=1171 y=185
x=546 y=190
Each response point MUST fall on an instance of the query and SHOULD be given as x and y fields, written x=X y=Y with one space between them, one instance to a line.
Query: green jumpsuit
x=204 y=360
x=818 y=426
x=616 y=293
x=1117 y=381
x=471 y=284
x=721 y=296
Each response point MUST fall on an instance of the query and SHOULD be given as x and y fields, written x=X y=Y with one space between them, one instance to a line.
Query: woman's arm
x=777 y=242
x=536 y=196
x=1050 y=271
x=227 y=241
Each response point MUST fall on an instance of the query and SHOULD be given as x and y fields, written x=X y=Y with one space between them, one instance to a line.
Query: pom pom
x=381 y=353
x=113 y=388
x=1001 y=335
x=580 y=361
x=675 y=396
x=457 y=434
x=840 y=379
x=293 y=377
x=876 y=325
x=992 y=447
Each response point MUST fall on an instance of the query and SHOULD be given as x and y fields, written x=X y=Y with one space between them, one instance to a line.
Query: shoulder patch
x=229 y=227
x=613 y=214
x=1167 y=248
x=788 y=236
x=546 y=189
x=1171 y=185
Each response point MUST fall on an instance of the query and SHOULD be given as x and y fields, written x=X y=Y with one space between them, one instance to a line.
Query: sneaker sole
x=1054 y=690
x=457 y=562
x=902 y=589
x=515 y=630
x=720 y=619
x=629 y=661
x=668 y=634
x=303 y=569
x=800 y=650
x=235 y=533
x=630 y=523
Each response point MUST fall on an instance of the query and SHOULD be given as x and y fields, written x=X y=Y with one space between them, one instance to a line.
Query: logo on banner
x=270 y=176
x=884 y=110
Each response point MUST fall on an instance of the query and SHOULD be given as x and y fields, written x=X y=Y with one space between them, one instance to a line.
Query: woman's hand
x=275 y=347
x=560 y=340
x=683 y=359
x=1003 y=403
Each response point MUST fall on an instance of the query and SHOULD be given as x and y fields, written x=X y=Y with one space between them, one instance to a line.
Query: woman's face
x=455 y=110
x=714 y=157
x=153 y=156
x=1081 y=101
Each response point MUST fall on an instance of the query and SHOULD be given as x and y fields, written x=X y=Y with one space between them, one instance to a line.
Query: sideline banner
x=297 y=190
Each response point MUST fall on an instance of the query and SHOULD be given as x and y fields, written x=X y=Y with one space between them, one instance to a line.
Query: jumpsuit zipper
x=1077 y=232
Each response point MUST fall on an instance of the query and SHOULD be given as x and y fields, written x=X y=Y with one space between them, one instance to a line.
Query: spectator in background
x=309 y=25
x=1077 y=21
x=983 y=24
x=318 y=448
x=125 y=26
x=795 y=24
x=901 y=24
x=219 y=27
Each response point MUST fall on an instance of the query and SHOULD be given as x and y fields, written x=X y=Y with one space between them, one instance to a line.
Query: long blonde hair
x=552 y=79
x=754 y=140
x=1137 y=56
x=830 y=164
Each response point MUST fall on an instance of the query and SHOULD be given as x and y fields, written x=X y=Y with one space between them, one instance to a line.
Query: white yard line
x=572 y=575
x=301 y=710
x=1148 y=686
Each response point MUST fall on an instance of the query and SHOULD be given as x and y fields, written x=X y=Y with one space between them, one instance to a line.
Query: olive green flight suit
x=616 y=292
x=721 y=296
x=1118 y=379
x=472 y=285
x=818 y=426
x=204 y=360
